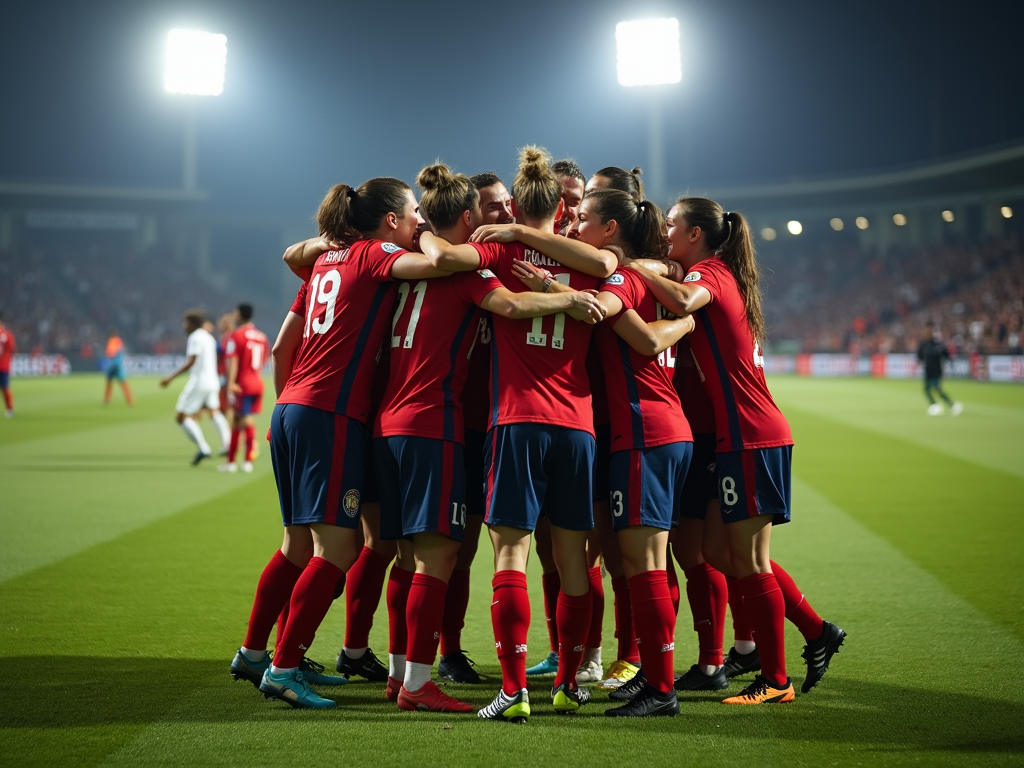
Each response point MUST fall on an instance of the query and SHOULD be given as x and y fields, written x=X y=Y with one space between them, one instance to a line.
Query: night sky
x=322 y=92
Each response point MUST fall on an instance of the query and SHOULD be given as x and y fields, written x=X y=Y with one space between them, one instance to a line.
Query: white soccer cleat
x=934 y=409
x=247 y=467
x=230 y=468
x=9 y=413
x=956 y=409
x=589 y=672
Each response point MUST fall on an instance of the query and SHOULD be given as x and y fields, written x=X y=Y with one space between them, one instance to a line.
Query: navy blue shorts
x=474 y=462
x=603 y=432
x=5 y=380
x=248 y=405
x=701 y=484
x=755 y=482
x=422 y=486
x=535 y=468
x=645 y=485
x=319 y=461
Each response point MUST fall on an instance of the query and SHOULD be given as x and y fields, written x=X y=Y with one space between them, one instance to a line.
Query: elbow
x=610 y=265
x=509 y=310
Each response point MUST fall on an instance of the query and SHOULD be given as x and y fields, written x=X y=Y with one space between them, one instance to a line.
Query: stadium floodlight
x=899 y=220
x=195 y=62
x=1007 y=212
x=947 y=216
x=648 y=52
x=795 y=227
x=768 y=233
x=836 y=224
x=861 y=222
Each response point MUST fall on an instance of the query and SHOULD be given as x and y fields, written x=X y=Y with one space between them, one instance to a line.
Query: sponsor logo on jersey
x=692 y=277
x=351 y=502
x=485 y=273
x=615 y=279
x=390 y=247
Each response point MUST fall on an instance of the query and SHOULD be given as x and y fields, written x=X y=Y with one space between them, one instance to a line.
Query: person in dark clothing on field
x=931 y=354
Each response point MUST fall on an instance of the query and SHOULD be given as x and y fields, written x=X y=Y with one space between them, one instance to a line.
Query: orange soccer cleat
x=762 y=692
x=430 y=698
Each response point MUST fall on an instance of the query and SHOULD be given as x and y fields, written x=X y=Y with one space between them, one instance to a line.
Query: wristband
x=547 y=284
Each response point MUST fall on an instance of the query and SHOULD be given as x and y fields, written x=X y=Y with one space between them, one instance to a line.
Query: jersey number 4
x=537 y=338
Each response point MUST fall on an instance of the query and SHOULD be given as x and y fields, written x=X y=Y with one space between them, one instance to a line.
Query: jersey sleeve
x=490 y=254
x=707 y=275
x=193 y=346
x=474 y=286
x=231 y=347
x=299 y=305
x=379 y=259
x=619 y=284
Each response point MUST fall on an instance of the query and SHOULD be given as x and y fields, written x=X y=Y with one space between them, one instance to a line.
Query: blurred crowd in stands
x=67 y=301
x=848 y=300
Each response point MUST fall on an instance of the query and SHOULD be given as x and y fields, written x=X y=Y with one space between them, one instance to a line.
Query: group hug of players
x=588 y=371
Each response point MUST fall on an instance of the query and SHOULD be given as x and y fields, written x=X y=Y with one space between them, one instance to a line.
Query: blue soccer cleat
x=546 y=668
x=314 y=674
x=243 y=669
x=292 y=688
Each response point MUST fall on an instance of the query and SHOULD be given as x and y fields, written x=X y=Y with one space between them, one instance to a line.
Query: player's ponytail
x=347 y=213
x=727 y=234
x=535 y=189
x=446 y=195
x=640 y=223
x=624 y=181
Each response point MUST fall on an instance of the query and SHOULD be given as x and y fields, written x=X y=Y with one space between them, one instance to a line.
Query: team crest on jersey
x=351 y=502
x=615 y=279
x=692 y=277
x=485 y=273
x=390 y=247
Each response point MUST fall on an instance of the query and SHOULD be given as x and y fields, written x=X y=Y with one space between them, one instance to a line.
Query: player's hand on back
x=495 y=233
x=585 y=308
x=534 y=278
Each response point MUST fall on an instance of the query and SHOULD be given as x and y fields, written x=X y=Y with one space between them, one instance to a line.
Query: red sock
x=399 y=584
x=510 y=617
x=272 y=593
x=311 y=599
x=624 y=622
x=250 y=441
x=798 y=610
x=9 y=402
x=455 y=604
x=423 y=617
x=365 y=582
x=708 y=615
x=596 y=608
x=655 y=623
x=673 y=583
x=573 y=617
x=766 y=608
x=551 y=583
x=339 y=588
x=282 y=622
x=233 y=445
x=741 y=628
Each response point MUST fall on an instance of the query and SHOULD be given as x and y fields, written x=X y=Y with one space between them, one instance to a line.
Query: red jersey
x=476 y=396
x=7 y=348
x=731 y=366
x=598 y=393
x=249 y=345
x=642 y=403
x=346 y=309
x=432 y=335
x=689 y=385
x=538 y=365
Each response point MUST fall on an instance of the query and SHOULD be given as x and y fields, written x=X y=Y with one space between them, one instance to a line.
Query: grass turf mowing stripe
x=120 y=654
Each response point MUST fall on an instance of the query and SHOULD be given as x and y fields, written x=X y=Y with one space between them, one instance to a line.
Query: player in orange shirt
x=246 y=352
x=7 y=348
x=114 y=355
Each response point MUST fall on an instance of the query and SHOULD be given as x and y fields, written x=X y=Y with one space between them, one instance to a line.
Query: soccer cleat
x=391 y=689
x=546 y=668
x=229 y=467
x=648 y=703
x=430 y=698
x=737 y=664
x=956 y=409
x=762 y=692
x=314 y=674
x=458 y=668
x=511 y=709
x=629 y=690
x=934 y=409
x=589 y=672
x=243 y=669
x=199 y=457
x=292 y=688
x=9 y=413
x=367 y=666
x=567 y=700
x=247 y=467
x=818 y=654
x=694 y=679
x=619 y=673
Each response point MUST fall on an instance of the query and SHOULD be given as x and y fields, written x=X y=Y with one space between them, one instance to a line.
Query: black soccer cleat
x=695 y=680
x=199 y=457
x=819 y=653
x=737 y=664
x=631 y=689
x=648 y=703
x=458 y=668
x=567 y=700
x=367 y=666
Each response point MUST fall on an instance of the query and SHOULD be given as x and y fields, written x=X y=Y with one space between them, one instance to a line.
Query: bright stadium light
x=768 y=233
x=861 y=222
x=1007 y=212
x=899 y=220
x=947 y=216
x=836 y=224
x=795 y=227
x=648 y=52
x=195 y=62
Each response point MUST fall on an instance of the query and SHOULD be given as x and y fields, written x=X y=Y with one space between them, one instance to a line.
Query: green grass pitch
x=126 y=579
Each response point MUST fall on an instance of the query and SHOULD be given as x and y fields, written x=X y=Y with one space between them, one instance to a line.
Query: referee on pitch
x=930 y=354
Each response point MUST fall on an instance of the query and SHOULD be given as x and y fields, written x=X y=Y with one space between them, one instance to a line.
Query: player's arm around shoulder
x=571 y=253
x=448 y=257
x=681 y=298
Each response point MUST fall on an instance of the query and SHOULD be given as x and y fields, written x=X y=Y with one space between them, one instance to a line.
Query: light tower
x=648 y=55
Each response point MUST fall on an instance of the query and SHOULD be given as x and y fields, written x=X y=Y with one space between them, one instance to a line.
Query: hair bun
x=534 y=163
x=434 y=176
x=637 y=171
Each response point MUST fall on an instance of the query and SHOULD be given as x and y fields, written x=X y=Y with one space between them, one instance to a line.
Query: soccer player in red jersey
x=319 y=433
x=225 y=327
x=573 y=184
x=245 y=353
x=715 y=250
x=614 y=177
x=8 y=347
x=495 y=201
